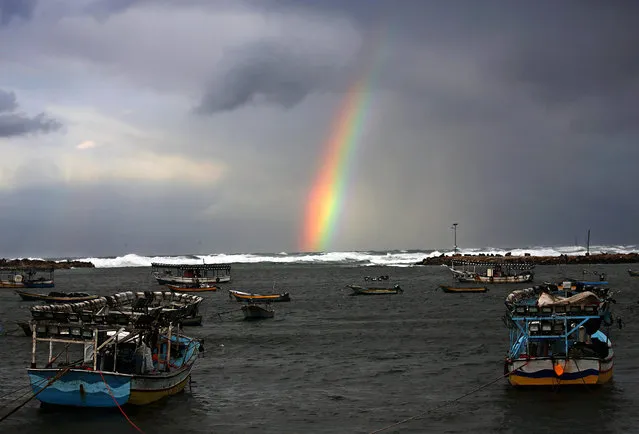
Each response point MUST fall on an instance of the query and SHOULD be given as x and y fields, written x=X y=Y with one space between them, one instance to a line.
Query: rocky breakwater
x=600 y=258
x=43 y=264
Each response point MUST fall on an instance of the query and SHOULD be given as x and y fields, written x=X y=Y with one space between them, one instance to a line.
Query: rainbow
x=326 y=197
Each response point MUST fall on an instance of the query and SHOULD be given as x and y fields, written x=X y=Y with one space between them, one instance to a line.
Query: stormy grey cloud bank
x=200 y=125
x=15 y=123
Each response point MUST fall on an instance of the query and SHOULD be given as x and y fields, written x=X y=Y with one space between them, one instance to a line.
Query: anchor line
x=116 y=403
x=35 y=384
x=53 y=379
x=452 y=401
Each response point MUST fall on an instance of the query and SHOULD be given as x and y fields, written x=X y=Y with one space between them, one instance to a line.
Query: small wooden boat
x=57 y=297
x=457 y=289
x=202 y=287
x=257 y=298
x=255 y=311
x=633 y=273
x=360 y=290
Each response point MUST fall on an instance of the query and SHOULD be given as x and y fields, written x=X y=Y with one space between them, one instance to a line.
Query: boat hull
x=542 y=372
x=29 y=296
x=359 y=290
x=257 y=298
x=177 y=280
x=177 y=288
x=81 y=388
x=454 y=289
x=148 y=389
x=39 y=284
x=6 y=284
x=495 y=279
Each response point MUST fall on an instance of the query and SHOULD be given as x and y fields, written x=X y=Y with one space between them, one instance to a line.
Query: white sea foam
x=397 y=258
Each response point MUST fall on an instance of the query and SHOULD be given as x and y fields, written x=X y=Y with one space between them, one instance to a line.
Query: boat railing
x=524 y=329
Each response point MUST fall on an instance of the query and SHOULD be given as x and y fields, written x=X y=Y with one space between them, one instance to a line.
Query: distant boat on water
x=188 y=274
x=489 y=272
x=258 y=298
x=361 y=290
x=460 y=289
x=633 y=273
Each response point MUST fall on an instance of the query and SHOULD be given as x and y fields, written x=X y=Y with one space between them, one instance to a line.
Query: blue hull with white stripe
x=81 y=388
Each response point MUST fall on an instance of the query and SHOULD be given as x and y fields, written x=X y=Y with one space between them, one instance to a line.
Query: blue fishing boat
x=132 y=351
x=557 y=335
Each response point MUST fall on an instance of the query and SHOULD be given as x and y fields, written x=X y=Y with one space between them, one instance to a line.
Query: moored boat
x=361 y=290
x=258 y=298
x=56 y=297
x=460 y=289
x=201 y=287
x=556 y=336
x=187 y=274
x=490 y=272
x=26 y=278
x=257 y=311
x=633 y=273
x=131 y=352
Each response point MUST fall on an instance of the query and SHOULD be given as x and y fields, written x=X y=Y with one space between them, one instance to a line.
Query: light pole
x=454 y=228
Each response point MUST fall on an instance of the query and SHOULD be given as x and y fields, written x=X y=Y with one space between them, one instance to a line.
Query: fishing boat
x=56 y=297
x=633 y=273
x=257 y=311
x=491 y=272
x=27 y=278
x=186 y=274
x=556 y=335
x=195 y=287
x=11 y=278
x=35 y=279
x=258 y=298
x=130 y=351
x=459 y=289
x=361 y=290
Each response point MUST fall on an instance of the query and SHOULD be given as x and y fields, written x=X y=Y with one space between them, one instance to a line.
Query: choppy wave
x=396 y=258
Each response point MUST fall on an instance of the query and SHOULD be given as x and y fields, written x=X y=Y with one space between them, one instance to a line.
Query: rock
x=42 y=264
x=602 y=258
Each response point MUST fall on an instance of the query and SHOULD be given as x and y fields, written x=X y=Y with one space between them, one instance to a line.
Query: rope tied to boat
x=444 y=404
x=118 y=404
x=52 y=380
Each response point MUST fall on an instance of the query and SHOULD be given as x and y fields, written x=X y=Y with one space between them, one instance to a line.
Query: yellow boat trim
x=143 y=397
x=518 y=380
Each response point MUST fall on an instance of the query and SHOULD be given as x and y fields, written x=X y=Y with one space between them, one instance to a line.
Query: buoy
x=559 y=370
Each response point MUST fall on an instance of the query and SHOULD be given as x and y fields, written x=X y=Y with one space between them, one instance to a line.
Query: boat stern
x=558 y=372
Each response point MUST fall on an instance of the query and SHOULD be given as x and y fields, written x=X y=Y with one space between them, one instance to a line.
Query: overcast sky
x=198 y=126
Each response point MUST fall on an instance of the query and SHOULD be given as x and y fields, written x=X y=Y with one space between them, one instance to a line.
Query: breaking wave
x=396 y=258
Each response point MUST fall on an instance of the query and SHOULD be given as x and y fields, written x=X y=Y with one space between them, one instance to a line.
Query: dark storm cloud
x=7 y=101
x=103 y=9
x=14 y=123
x=10 y=9
x=263 y=74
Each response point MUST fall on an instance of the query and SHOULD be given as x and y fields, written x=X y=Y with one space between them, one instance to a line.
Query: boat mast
x=454 y=228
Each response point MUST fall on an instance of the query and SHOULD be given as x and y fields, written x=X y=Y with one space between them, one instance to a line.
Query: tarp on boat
x=586 y=297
